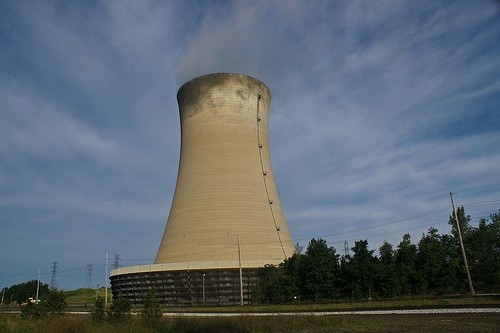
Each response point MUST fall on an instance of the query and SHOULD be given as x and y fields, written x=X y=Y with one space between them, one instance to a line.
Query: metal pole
x=37 y=285
x=106 y=282
x=241 y=272
x=203 y=283
x=471 y=287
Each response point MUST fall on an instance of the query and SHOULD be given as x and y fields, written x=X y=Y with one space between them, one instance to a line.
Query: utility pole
x=37 y=285
x=106 y=282
x=3 y=294
x=241 y=272
x=471 y=287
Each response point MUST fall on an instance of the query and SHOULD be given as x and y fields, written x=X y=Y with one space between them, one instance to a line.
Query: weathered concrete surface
x=225 y=184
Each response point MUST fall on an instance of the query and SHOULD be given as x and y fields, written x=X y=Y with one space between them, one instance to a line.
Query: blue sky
x=380 y=109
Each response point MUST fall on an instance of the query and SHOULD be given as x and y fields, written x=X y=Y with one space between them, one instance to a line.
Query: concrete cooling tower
x=226 y=218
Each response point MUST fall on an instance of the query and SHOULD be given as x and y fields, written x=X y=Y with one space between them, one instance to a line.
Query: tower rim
x=220 y=74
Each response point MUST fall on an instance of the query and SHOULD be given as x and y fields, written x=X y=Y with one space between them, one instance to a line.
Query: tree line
x=21 y=292
x=433 y=266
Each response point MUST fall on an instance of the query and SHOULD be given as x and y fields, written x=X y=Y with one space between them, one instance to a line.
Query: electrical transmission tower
x=53 y=278
x=116 y=263
x=346 y=248
x=90 y=276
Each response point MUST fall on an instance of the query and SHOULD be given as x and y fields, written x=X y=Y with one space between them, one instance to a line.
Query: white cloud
x=37 y=128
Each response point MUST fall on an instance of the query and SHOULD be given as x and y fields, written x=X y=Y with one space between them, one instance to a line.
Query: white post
x=106 y=283
x=37 y=285
x=203 y=283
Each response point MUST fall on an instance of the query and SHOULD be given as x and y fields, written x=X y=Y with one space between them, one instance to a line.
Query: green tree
x=435 y=266
x=54 y=302
x=291 y=268
x=406 y=264
x=463 y=221
x=361 y=270
x=33 y=310
x=98 y=313
x=267 y=289
x=457 y=257
x=387 y=280
x=21 y=292
x=434 y=261
x=320 y=270
x=275 y=286
x=484 y=254
x=151 y=311
x=456 y=276
x=119 y=309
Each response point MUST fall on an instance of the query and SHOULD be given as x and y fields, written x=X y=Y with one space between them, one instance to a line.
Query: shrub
x=54 y=302
x=151 y=311
x=119 y=309
x=33 y=310
x=98 y=313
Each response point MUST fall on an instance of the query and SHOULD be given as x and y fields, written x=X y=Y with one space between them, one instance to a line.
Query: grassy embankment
x=82 y=298
x=85 y=298
x=297 y=324
x=410 y=303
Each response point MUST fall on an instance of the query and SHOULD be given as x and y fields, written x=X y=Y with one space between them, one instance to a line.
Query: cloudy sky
x=380 y=109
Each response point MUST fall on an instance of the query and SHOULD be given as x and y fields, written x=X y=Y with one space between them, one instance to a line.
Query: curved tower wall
x=225 y=185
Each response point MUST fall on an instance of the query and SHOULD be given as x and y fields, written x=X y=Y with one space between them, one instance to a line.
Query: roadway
x=307 y=313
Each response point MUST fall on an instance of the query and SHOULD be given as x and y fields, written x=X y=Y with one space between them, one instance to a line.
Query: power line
x=482 y=203
x=472 y=204
x=414 y=217
x=392 y=232
x=370 y=212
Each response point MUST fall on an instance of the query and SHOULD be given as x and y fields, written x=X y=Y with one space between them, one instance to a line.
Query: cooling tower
x=225 y=185
x=226 y=219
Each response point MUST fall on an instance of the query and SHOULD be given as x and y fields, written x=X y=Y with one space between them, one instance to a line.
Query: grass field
x=85 y=298
x=349 y=323
x=410 y=303
x=82 y=296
